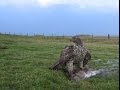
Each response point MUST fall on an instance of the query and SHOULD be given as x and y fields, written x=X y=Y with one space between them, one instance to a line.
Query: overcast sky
x=58 y=17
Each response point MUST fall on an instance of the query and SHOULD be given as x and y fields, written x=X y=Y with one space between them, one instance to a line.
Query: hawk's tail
x=54 y=66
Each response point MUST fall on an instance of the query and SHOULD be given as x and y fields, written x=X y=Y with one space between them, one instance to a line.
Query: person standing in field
x=73 y=58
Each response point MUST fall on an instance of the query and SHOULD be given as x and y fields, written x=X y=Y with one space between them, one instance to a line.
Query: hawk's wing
x=65 y=56
x=87 y=58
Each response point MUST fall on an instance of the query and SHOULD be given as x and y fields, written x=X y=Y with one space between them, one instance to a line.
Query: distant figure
x=108 y=36
x=73 y=58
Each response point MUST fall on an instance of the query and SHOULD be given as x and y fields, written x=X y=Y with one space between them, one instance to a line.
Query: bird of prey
x=76 y=53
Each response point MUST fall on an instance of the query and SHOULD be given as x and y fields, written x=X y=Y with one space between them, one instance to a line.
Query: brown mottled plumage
x=65 y=56
x=76 y=52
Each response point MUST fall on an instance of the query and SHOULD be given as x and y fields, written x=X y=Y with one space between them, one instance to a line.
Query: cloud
x=47 y=3
x=84 y=4
x=16 y=3
x=103 y=4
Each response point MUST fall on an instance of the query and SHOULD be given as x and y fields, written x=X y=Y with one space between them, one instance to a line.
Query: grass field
x=24 y=63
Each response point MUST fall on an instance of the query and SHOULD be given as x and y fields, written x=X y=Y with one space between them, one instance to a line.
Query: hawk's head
x=77 y=40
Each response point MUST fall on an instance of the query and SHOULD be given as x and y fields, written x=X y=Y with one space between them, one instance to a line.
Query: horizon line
x=43 y=34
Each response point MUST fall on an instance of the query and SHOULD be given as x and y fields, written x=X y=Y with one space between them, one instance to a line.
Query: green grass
x=24 y=63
